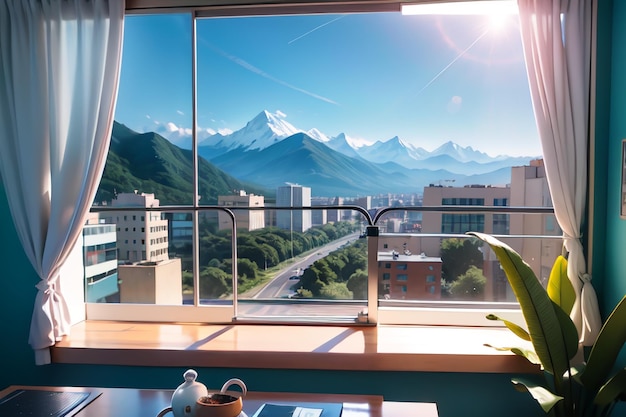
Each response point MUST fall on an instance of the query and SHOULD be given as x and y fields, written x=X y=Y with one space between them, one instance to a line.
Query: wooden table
x=128 y=402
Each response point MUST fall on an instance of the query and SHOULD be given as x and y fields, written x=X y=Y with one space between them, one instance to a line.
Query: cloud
x=280 y=114
x=180 y=112
x=182 y=131
x=225 y=131
x=148 y=116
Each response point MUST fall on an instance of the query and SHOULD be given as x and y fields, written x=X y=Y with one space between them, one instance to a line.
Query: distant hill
x=149 y=163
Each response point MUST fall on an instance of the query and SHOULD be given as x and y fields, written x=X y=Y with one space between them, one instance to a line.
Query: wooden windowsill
x=376 y=348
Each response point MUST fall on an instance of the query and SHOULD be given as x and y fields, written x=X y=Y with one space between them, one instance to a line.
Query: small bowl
x=217 y=404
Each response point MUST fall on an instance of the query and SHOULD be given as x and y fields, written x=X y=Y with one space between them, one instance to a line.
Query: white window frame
x=450 y=314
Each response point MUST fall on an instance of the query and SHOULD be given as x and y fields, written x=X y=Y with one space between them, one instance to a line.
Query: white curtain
x=59 y=68
x=556 y=35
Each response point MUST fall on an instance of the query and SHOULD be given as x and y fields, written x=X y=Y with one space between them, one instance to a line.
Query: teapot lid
x=190 y=375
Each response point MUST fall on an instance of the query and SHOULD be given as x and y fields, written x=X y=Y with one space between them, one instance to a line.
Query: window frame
x=384 y=312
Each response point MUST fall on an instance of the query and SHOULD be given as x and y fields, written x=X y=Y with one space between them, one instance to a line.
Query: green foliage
x=338 y=267
x=303 y=293
x=214 y=282
x=149 y=163
x=470 y=285
x=560 y=289
x=588 y=389
x=336 y=291
x=458 y=255
x=358 y=284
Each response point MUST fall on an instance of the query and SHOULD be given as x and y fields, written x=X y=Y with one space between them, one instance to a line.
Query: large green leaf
x=529 y=354
x=560 y=288
x=613 y=390
x=549 y=327
x=604 y=352
x=546 y=398
x=519 y=331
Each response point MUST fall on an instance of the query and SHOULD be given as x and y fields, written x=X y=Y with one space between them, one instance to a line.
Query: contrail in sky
x=314 y=29
x=264 y=74
x=452 y=62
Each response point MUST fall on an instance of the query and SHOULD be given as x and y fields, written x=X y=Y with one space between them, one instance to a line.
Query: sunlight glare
x=494 y=8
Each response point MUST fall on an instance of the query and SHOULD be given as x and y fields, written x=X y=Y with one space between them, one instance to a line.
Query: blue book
x=299 y=409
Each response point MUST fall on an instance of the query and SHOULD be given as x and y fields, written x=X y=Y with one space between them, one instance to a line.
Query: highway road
x=280 y=286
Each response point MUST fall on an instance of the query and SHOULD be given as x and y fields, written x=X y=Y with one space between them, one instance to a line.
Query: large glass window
x=244 y=175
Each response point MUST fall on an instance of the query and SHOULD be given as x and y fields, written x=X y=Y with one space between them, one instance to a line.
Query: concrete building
x=460 y=223
x=151 y=282
x=319 y=217
x=246 y=219
x=293 y=195
x=403 y=275
x=100 y=260
x=180 y=231
x=529 y=188
x=141 y=235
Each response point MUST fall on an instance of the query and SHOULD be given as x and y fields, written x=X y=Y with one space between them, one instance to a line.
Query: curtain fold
x=556 y=37
x=59 y=70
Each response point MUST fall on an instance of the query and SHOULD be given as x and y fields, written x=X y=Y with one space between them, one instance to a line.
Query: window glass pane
x=148 y=255
x=308 y=126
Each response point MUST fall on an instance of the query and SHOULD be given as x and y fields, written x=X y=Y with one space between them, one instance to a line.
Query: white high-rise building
x=293 y=195
x=141 y=235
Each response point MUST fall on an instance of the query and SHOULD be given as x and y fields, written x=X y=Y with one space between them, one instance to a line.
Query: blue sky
x=425 y=79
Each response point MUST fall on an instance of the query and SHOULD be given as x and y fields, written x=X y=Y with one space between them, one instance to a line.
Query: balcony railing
x=403 y=267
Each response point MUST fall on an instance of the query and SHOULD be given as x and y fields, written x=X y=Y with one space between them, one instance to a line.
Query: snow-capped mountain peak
x=460 y=153
x=317 y=135
x=262 y=131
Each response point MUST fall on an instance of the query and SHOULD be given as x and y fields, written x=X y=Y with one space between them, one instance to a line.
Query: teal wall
x=457 y=394
x=615 y=237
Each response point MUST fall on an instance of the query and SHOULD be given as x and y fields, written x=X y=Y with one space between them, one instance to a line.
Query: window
x=284 y=133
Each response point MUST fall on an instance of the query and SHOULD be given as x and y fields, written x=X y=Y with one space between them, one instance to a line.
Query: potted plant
x=586 y=387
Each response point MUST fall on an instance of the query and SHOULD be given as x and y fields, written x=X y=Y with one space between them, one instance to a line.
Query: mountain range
x=270 y=148
x=268 y=152
x=149 y=163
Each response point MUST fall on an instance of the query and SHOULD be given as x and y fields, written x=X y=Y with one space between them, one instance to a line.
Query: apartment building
x=141 y=235
x=99 y=246
x=407 y=276
x=246 y=219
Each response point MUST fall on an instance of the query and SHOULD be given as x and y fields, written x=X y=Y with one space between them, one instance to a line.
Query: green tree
x=457 y=255
x=470 y=285
x=246 y=269
x=336 y=291
x=358 y=284
x=214 y=283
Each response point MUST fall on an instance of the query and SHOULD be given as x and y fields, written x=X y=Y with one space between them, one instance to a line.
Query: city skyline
x=425 y=79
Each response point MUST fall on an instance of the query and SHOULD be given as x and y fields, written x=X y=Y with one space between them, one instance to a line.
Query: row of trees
x=342 y=275
x=256 y=250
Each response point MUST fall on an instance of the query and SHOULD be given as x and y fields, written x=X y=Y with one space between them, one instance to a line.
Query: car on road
x=294 y=277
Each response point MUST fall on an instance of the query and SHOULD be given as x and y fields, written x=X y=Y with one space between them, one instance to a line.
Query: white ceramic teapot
x=185 y=398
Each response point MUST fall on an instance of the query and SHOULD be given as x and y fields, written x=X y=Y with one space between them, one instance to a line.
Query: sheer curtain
x=556 y=35
x=59 y=68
